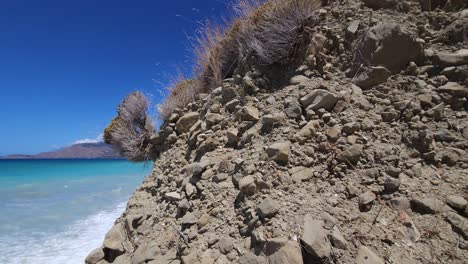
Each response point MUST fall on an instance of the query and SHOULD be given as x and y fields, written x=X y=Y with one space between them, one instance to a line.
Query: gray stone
x=232 y=135
x=337 y=239
x=366 y=200
x=95 y=256
x=268 y=208
x=249 y=113
x=454 y=89
x=458 y=203
x=293 y=109
x=114 y=238
x=372 y=76
x=319 y=98
x=298 y=79
x=351 y=154
x=391 y=185
x=184 y=123
x=225 y=245
x=315 y=238
x=428 y=205
x=228 y=94
x=333 y=133
x=350 y=128
x=308 y=131
x=189 y=219
x=459 y=223
x=247 y=185
x=445 y=59
x=388 y=45
x=279 y=152
x=281 y=251
x=231 y=105
x=145 y=252
x=251 y=258
x=304 y=174
x=220 y=177
x=172 y=196
x=366 y=256
x=399 y=204
x=213 y=119
x=352 y=29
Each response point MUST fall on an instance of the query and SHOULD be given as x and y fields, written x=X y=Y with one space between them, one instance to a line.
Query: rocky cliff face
x=358 y=156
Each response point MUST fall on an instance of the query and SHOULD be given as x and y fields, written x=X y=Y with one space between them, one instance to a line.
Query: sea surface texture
x=57 y=211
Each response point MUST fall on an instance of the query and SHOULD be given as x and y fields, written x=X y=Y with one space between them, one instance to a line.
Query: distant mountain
x=77 y=151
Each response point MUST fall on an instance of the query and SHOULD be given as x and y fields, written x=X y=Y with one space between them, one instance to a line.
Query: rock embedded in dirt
x=268 y=208
x=454 y=89
x=337 y=239
x=366 y=200
x=458 y=203
x=319 y=98
x=172 y=196
x=225 y=245
x=459 y=223
x=445 y=59
x=298 y=79
x=303 y=174
x=372 y=76
x=315 y=238
x=279 y=152
x=113 y=241
x=352 y=154
x=184 y=123
x=389 y=45
x=249 y=113
x=366 y=256
x=189 y=219
x=247 y=185
x=95 y=256
x=428 y=205
x=213 y=119
x=281 y=250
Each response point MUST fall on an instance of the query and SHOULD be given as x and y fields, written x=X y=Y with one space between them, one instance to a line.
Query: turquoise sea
x=57 y=211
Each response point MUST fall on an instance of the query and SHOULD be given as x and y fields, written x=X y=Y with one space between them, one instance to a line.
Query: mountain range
x=98 y=150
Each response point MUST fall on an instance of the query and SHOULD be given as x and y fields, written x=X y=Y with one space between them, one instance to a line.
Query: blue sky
x=65 y=65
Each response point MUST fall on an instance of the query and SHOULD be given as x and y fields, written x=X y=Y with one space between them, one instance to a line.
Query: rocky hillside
x=356 y=155
x=76 y=151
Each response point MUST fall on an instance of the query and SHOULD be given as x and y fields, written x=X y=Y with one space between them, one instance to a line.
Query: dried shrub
x=132 y=129
x=180 y=93
x=272 y=29
x=267 y=30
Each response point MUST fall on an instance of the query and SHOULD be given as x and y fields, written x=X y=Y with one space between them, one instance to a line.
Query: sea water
x=57 y=211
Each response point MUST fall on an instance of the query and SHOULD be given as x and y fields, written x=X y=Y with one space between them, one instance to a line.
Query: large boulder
x=95 y=256
x=387 y=45
x=113 y=242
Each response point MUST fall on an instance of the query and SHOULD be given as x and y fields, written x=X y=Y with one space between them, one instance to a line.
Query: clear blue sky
x=65 y=65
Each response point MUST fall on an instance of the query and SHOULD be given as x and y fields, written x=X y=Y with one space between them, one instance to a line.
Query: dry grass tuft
x=180 y=93
x=267 y=30
x=131 y=130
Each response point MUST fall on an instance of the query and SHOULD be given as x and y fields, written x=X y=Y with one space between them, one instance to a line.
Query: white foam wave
x=70 y=246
